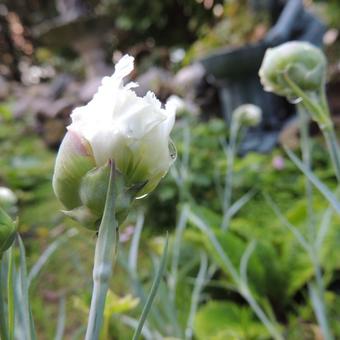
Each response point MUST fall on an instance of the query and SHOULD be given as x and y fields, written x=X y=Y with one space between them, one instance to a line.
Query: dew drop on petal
x=172 y=150
x=140 y=197
x=294 y=100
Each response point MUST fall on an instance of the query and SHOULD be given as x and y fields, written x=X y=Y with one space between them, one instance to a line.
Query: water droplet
x=294 y=100
x=172 y=150
x=140 y=197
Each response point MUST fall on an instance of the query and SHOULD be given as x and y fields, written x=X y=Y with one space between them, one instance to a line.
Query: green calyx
x=303 y=63
x=74 y=160
x=8 y=229
x=81 y=186
x=93 y=188
x=92 y=193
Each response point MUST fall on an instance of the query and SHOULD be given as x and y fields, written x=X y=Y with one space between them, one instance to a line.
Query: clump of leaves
x=234 y=29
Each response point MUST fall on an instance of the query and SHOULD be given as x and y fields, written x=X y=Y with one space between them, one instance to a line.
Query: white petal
x=151 y=98
x=137 y=123
x=104 y=145
x=124 y=67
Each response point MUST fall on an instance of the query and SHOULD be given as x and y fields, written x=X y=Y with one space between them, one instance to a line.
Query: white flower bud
x=247 y=115
x=131 y=130
x=303 y=63
x=115 y=125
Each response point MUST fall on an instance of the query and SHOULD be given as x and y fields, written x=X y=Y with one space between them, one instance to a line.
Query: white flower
x=7 y=197
x=116 y=125
x=131 y=130
x=248 y=115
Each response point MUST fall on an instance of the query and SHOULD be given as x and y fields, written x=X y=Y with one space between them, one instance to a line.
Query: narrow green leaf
x=47 y=254
x=28 y=321
x=320 y=312
x=3 y=313
x=152 y=293
x=133 y=323
x=295 y=231
x=133 y=252
x=236 y=206
x=196 y=293
x=61 y=320
x=324 y=228
x=10 y=293
x=316 y=182
x=245 y=260
x=227 y=263
x=176 y=249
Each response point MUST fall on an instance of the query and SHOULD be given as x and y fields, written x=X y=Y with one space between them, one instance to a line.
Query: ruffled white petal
x=132 y=130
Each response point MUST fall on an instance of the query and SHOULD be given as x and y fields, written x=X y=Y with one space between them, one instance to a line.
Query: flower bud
x=7 y=231
x=8 y=200
x=118 y=126
x=247 y=115
x=303 y=63
x=132 y=131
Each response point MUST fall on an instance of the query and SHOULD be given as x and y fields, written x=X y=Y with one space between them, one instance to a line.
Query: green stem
x=153 y=292
x=333 y=147
x=306 y=155
x=105 y=253
x=231 y=150
x=3 y=321
x=323 y=322
x=10 y=294
x=313 y=253
x=320 y=113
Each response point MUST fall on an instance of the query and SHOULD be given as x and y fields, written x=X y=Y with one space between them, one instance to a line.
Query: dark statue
x=234 y=71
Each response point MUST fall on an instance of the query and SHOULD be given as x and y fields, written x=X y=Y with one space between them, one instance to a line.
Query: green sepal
x=92 y=193
x=84 y=216
x=8 y=229
x=126 y=199
x=73 y=161
x=93 y=188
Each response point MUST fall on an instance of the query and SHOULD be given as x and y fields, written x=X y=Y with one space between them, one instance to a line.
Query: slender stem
x=306 y=155
x=231 y=150
x=195 y=297
x=10 y=294
x=313 y=253
x=323 y=96
x=181 y=224
x=322 y=315
x=334 y=149
x=320 y=112
x=153 y=292
x=105 y=253
x=245 y=292
x=3 y=321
